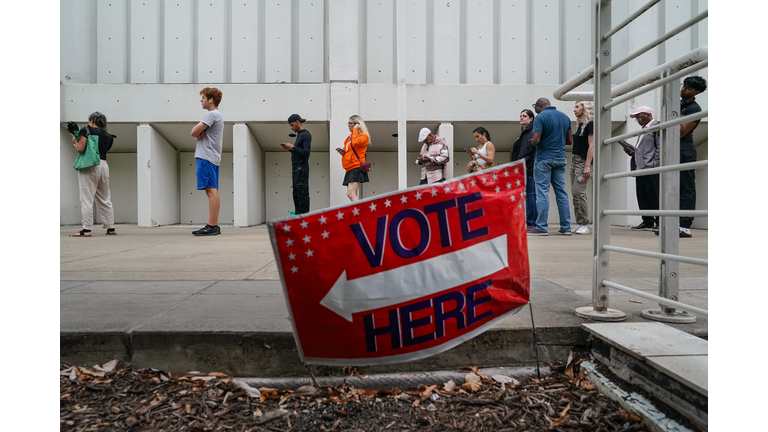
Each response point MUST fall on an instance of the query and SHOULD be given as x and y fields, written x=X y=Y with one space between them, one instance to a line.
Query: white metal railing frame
x=667 y=77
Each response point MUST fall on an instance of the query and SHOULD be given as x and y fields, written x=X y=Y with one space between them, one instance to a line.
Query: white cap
x=423 y=134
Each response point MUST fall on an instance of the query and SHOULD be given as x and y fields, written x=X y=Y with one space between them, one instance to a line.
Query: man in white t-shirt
x=209 y=134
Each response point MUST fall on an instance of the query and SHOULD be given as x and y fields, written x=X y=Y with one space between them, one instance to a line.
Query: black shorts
x=355 y=175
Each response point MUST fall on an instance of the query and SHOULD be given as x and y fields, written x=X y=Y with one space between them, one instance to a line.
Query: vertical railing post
x=669 y=188
x=602 y=223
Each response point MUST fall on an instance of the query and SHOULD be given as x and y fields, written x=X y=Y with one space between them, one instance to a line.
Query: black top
x=301 y=149
x=522 y=149
x=581 y=139
x=687 y=109
x=105 y=139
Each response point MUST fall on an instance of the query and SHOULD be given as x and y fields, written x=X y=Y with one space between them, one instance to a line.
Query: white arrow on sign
x=416 y=280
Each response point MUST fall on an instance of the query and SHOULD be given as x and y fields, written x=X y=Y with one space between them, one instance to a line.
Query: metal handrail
x=691 y=213
x=683 y=62
x=664 y=125
x=657 y=42
x=657 y=170
x=637 y=92
x=659 y=255
x=630 y=18
x=662 y=300
x=562 y=91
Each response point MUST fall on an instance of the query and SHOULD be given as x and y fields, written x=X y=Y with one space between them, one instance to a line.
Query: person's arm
x=199 y=130
x=81 y=145
x=569 y=138
x=444 y=156
x=535 y=139
x=590 y=154
x=303 y=146
x=491 y=150
x=686 y=127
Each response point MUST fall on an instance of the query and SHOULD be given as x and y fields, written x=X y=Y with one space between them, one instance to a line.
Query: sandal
x=82 y=233
x=111 y=231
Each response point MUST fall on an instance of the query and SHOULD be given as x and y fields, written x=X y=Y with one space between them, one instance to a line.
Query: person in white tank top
x=485 y=152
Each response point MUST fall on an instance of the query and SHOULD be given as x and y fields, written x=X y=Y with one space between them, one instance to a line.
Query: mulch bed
x=108 y=398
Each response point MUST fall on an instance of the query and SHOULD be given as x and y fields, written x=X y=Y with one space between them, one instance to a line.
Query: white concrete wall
x=122 y=186
x=193 y=203
x=278 y=181
x=702 y=188
x=248 y=167
x=157 y=179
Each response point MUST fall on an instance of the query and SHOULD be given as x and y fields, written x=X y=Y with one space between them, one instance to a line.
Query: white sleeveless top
x=484 y=152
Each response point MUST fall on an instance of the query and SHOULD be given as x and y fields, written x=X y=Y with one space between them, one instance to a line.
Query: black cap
x=295 y=117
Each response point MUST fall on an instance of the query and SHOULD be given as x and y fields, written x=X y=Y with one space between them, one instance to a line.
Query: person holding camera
x=94 y=181
x=300 y=151
x=353 y=156
x=433 y=157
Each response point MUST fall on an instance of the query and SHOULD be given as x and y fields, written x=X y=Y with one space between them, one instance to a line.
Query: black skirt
x=355 y=176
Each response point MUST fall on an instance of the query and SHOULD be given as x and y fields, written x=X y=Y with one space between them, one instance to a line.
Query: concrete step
x=669 y=363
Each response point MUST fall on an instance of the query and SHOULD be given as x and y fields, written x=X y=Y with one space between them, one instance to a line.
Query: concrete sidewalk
x=162 y=298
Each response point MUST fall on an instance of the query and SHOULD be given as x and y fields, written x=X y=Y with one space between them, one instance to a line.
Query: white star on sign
x=355 y=211
x=516 y=170
x=497 y=189
x=403 y=199
x=495 y=177
x=518 y=182
x=289 y=242
x=291 y=256
x=306 y=239
x=373 y=207
x=286 y=227
x=309 y=253
x=483 y=179
x=472 y=182
x=522 y=194
x=418 y=196
x=506 y=174
x=325 y=234
x=388 y=203
x=447 y=189
x=323 y=220
x=294 y=269
x=512 y=197
x=509 y=185
x=520 y=206
x=461 y=186
x=340 y=215
x=434 y=192
x=304 y=224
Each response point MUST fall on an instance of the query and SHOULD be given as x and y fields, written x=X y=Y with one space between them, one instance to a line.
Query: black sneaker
x=208 y=230
x=642 y=227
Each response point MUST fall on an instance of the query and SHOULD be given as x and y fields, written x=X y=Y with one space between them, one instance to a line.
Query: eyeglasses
x=533 y=106
x=351 y=123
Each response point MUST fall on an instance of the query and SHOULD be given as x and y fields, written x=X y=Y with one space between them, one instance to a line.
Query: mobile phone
x=581 y=179
x=338 y=149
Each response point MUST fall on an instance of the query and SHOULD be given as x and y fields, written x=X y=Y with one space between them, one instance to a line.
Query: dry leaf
x=218 y=375
x=427 y=392
x=410 y=376
x=257 y=413
x=564 y=417
x=569 y=366
x=503 y=379
x=109 y=366
x=102 y=381
x=250 y=391
x=89 y=371
x=306 y=390
x=471 y=386
x=472 y=377
x=283 y=399
x=369 y=393
x=586 y=385
x=416 y=403
x=450 y=386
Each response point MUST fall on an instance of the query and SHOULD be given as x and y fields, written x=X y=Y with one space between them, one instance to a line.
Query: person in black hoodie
x=522 y=149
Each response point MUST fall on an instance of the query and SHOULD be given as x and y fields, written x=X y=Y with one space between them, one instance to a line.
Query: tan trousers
x=579 y=190
x=94 y=183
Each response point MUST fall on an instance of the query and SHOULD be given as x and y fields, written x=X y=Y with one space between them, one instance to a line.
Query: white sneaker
x=582 y=229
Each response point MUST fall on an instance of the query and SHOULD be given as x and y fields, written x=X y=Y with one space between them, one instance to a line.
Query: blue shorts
x=207 y=174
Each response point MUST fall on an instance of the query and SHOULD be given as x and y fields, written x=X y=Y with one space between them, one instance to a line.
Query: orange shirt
x=360 y=141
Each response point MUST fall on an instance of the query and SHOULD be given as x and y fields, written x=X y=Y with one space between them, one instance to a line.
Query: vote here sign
x=408 y=274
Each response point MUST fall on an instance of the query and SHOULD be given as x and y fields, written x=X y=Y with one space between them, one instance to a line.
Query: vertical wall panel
x=702 y=32
x=416 y=42
x=145 y=26
x=194 y=203
x=211 y=41
x=77 y=48
x=245 y=36
x=546 y=42
x=381 y=163
x=380 y=41
x=122 y=186
x=446 y=56
x=177 y=52
x=279 y=194
x=311 y=41
x=620 y=41
x=111 y=18
x=278 y=41
x=578 y=36
x=513 y=40
x=480 y=41
x=676 y=13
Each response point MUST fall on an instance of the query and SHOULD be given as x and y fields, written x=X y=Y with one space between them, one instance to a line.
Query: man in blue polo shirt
x=551 y=133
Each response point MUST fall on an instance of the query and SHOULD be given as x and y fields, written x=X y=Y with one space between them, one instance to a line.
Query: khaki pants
x=94 y=183
x=579 y=190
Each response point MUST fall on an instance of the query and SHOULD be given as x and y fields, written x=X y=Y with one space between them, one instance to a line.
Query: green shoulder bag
x=90 y=157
